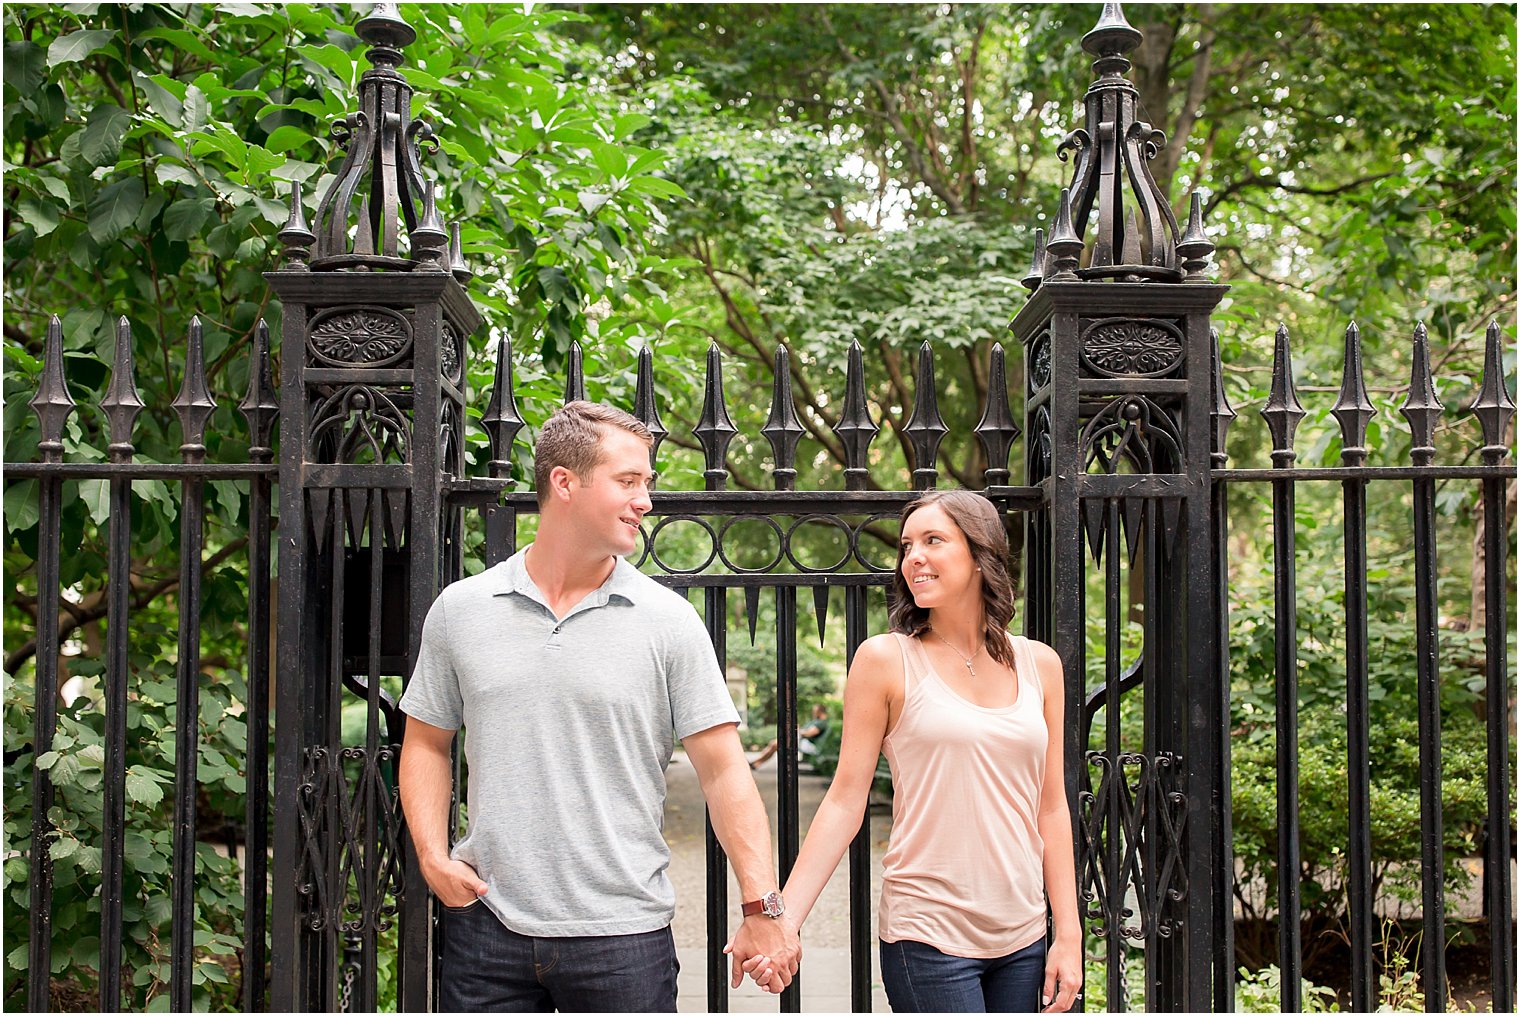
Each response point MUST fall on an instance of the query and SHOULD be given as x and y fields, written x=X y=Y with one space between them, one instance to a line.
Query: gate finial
x=1283 y=410
x=1493 y=407
x=925 y=428
x=644 y=408
x=855 y=426
x=380 y=188
x=996 y=430
x=1136 y=237
x=52 y=403
x=1353 y=409
x=122 y=402
x=1422 y=406
x=782 y=429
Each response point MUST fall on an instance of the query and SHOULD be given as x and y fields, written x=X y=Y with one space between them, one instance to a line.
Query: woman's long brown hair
x=979 y=522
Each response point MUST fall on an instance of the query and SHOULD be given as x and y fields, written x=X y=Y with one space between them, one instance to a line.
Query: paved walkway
x=826 y=939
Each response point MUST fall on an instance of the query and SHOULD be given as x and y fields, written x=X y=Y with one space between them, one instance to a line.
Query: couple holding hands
x=573 y=674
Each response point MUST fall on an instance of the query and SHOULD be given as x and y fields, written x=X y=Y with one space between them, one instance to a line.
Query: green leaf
x=179 y=39
x=47 y=759
x=25 y=67
x=41 y=216
x=55 y=187
x=197 y=109
x=142 y=789
x=21 y=511
x=100 y=141
x=77 y=45
x=115 y=208
x=287 y=137
x=656 y=185
x=63 y=847
x=19 y=957
x=185 y=219
x=96 y=495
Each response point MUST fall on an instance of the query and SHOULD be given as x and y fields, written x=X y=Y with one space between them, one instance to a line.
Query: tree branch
x=72 y=618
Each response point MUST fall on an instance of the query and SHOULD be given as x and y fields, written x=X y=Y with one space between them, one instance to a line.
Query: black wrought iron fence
x=1125 y=479
x=121 y=405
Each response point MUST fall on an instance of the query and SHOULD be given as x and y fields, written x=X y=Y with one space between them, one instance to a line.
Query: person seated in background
x=807 y=737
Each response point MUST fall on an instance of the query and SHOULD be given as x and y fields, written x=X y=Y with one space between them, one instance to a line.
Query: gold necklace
x=964 y=658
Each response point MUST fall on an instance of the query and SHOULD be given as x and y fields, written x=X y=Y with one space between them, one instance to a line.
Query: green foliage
x=1322 y=761
x=76 y=765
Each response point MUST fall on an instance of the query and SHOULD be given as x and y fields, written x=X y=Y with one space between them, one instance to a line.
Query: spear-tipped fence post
x=925 y=428
x=782 y=429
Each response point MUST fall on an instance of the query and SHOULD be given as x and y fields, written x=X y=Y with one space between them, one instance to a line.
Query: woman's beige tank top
x=964 y=869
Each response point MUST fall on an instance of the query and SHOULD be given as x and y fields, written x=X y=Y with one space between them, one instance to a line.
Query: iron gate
x=1124 y=426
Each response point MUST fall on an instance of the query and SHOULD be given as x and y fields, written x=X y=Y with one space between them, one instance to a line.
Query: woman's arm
x=1063 y=965
x=874 y=683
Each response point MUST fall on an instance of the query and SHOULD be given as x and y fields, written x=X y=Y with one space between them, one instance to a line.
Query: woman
x=970 y=719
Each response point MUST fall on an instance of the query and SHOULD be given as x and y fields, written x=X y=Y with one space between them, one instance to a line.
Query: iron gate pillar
x=1119 y=355
x=372 y=358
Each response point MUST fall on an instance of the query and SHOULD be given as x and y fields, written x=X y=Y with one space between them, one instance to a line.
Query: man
x=807 y=738
x=572 y=674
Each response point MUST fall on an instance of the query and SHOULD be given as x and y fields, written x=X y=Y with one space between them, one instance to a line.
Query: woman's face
x=936 y=559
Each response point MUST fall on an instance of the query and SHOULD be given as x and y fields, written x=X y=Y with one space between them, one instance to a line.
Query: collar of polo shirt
x=514 y=578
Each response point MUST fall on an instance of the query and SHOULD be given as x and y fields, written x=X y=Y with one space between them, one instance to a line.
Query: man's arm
x=427 y=781
x=739 y=819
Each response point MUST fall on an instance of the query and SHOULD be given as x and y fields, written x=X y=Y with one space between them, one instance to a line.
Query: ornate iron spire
x=296 y=235
x=855 y=427
x=644 y=408
x=996 y=429
x=925 y=428
x=379 y=188
x=714 y=430
x=1282 y=411
x=1136 y=234
x=501 y=419
x=262 y=403
x=782 y=429
x=1422 y=408
x=1353 y=409
x=194 y=404
x=52 y=403
x=122 y=403
x=1493 y=407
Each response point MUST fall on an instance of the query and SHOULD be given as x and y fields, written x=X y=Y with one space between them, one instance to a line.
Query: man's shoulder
x=477 y=587
x=656 y=597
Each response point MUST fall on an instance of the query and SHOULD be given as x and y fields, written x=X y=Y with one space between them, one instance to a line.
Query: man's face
x=607 y=506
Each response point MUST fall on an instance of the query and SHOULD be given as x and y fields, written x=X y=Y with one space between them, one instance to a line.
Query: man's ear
x=561 y=482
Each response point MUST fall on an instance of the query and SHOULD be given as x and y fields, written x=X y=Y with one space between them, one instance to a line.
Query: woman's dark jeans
x=488 y=968
x=920 y=978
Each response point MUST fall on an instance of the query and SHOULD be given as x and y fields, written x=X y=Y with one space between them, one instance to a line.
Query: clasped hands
x=768 y=950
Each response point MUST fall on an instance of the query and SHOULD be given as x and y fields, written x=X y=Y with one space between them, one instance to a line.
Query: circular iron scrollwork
x=861 y=531
x=360 y=336
x=672 y=569
x=820 y=522
x=1129 y=348
x=773 y=557
x=448 y=353
x=1039 y=362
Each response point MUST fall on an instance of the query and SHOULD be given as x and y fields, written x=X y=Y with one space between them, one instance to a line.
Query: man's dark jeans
x=488 y=968
x=920 y=978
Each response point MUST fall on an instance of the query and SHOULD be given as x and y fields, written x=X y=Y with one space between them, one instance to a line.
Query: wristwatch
x=771 y=905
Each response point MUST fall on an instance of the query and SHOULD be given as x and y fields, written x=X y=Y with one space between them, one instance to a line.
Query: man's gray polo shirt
x=569 y=726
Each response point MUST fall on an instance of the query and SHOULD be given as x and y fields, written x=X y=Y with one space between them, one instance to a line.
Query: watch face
x=772 y=905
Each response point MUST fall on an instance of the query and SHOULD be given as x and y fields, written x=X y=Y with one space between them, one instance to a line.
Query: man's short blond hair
x=572 y=438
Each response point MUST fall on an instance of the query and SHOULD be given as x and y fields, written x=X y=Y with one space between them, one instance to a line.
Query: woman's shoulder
x=878 y=658
x=1044 y=655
